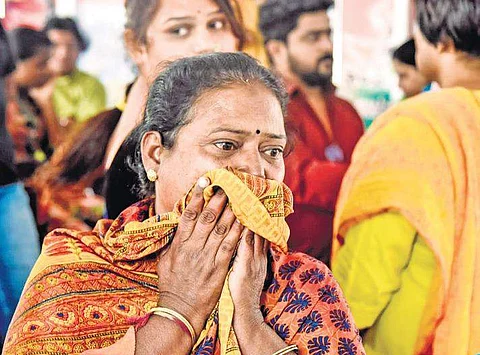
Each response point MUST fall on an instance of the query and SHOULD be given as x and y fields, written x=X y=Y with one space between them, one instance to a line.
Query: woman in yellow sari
x=201 y=270
x=406 y=248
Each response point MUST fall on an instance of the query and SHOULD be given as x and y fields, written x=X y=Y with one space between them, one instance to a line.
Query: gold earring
x=152 y=175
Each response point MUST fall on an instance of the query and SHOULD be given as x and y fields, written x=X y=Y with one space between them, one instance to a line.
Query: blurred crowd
x=392 y=211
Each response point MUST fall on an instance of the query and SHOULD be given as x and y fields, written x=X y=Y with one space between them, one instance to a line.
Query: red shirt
x=314 y=180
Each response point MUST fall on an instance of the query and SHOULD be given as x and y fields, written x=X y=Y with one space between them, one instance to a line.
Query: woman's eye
x=225 y=145
x=217 y=24
x=180 y=31
x=274 y=152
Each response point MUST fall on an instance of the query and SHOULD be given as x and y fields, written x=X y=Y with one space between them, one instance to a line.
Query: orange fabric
x=422 y=160
x=87 y=287
x=68 y=206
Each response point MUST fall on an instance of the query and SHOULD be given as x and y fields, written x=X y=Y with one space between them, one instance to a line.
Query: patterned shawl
x=87 y=286
x=422 y=159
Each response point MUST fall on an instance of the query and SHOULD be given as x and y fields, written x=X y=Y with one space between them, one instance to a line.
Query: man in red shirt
x=297 y=36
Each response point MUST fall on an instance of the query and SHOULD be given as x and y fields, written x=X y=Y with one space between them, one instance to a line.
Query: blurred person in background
x=25 y=120
x=68 y=187
x=156 y=32
x=72 y=96
x=410 y=79
x=298 y=40
x=406 y=248
x=18 y=233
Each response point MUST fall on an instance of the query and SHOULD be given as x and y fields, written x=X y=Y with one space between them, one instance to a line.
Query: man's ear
x=446 y=45
x=277 y=51
x=136 y=50
x=151 y=149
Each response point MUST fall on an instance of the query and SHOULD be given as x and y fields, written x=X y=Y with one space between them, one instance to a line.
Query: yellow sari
x=422 y=160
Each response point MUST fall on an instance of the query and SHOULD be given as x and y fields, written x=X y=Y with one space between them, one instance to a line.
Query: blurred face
x=184 y=28
x=34 y=71
x=239 y=126
x=426 y=56
x=410 y=80
x=65 y=52
x=310 y=49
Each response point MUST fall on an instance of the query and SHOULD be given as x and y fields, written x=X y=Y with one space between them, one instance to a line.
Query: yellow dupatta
x=422 y=159
x=262 y=210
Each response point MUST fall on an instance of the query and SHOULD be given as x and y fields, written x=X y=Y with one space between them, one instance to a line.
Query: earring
x=152 y=175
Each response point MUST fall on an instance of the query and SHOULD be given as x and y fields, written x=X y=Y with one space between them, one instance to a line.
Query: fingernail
x=203 y=182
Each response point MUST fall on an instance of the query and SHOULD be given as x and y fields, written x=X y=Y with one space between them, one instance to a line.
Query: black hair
x=26 y=42
x=175 y=91
x=405 y=53
x=457 y=20
x=280 y=17
x=67 y=24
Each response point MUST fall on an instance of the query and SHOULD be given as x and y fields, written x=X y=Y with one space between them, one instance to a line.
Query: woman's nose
x=251 y=163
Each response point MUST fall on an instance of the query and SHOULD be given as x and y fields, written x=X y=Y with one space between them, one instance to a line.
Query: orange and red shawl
x=86 y=287
x=422 y=159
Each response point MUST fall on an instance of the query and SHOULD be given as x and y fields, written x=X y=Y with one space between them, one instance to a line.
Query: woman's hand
x=193 y=269
x=246 y=283
x=248 y=277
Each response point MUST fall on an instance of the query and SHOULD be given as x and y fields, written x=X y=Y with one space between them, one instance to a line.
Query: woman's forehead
x=240 y=106
x=170 y=10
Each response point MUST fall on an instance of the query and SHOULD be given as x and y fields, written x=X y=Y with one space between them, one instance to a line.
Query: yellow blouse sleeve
x=368 y=277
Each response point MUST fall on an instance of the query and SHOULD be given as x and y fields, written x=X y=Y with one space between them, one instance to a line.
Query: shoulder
x=431 y=103
x=88 y=79
x=345 y=107
x=303 y=268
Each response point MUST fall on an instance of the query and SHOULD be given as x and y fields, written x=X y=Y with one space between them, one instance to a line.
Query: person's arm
x=44 y=99
x=129 y=119
x=369 y=265
x=246 y=281
x=314 y=182
x=197 y=259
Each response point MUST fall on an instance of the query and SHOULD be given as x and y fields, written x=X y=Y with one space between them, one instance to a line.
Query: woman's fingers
x=258 y=246
x=208 y=218
x=225 y=249
x=220 y=231
x=191 y=213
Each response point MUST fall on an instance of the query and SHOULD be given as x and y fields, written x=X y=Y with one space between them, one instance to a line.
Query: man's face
x=310 y=49
x=65 y=51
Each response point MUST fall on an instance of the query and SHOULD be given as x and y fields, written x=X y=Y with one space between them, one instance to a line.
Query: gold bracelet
x=286 y=350
x=177 y=318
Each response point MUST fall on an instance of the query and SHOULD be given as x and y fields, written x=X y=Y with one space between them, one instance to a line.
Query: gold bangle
x=176 y=317
x=286 y=350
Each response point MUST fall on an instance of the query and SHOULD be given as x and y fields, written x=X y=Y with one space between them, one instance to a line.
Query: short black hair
x=457 y=20
x=26 y=42
x=175 y=91
x=280 y=17
x=67 y=24
x=406 y=53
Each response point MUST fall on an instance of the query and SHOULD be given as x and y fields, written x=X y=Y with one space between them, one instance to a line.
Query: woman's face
x=239 y=126
x=184 y=28
x=426 y=55
x=34 y=71
x=410 y=80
